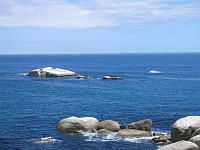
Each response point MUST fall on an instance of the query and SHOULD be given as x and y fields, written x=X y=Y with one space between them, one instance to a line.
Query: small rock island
x=50 y=72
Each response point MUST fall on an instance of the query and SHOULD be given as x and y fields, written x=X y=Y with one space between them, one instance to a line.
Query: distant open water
x=31 y=107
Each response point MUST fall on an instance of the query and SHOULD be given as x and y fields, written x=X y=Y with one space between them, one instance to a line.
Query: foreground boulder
x=183 y=128
x=196 y=140
x=145 y=125
x=50 y=72
x=133 y=133
x=109 y=125
x=75 y=124
x=181 y=145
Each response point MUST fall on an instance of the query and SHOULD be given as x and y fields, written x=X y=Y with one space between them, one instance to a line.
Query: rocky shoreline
x=185 y=132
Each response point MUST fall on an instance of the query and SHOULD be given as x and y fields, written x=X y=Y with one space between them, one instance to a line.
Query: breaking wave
x=90 y=136
x=46 y=140
x=155 y=72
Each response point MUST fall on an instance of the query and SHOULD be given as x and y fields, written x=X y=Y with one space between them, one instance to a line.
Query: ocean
x=160 y=87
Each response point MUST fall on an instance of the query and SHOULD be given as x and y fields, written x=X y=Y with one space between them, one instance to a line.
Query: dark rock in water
x=145 y=125
x=109 y=125
x=122 y=127
x=50 y=72
x=74 y=124
x=82 y=77
x=133 y=133
x=109 y=77
x=161 y=138
x=157 y=134
x=181 y=145
x=183 y=128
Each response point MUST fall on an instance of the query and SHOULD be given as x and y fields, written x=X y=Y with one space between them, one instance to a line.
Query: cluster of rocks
x=185 y=134
x=135 y=129
x=51 y=72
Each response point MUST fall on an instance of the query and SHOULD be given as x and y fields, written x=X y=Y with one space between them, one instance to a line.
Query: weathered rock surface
x=197 y=132
x=133 y=133
x=181 y=145
x=196 y=140
x=50 y=72
x=74 y=124
x=109 y=125
x=183 y=128
x=145 y=125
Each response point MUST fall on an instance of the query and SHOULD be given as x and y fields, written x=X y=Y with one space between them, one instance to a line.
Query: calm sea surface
x=31 y=107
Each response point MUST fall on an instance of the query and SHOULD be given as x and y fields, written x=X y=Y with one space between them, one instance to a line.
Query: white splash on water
x=46 y=140
x=155 y=72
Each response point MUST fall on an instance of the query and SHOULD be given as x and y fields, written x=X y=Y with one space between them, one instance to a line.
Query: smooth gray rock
x=133 y=133
x=183 y=128
x=74 y=124
x=181 y=145
x=50 y=72
x=109 y=125
x=145 y=125
x=197 y=132
x=196 y=140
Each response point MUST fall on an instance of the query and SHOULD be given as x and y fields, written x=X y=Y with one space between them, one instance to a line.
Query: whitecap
x=138 y=139
x=46 y=140
x=154 y=72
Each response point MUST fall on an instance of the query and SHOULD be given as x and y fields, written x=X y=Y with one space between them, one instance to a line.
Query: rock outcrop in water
x=50 y=72
x=109 y=125
x=133 y=133
x=145 y=125
x=183 y=128
x=185 y=133
x=75 y=124
x=109 y=77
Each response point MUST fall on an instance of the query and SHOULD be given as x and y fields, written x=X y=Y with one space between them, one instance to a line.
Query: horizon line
x=103 y=53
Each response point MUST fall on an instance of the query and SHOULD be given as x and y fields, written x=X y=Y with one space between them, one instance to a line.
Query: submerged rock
x=75 y=124
x=83 y=77
x=50 y=72
x=183 y=128
x=133 y=133
x=109 y=125
x=181 y=145
x=161 y=138
x=145 y=125
x=109 y=77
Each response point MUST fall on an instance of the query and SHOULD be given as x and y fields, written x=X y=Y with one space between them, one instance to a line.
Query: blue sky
x=99 y=26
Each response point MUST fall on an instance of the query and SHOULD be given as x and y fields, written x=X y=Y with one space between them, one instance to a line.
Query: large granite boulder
x=50 y=72
x=183 y=128
x=133 y=133
x=196 y=140
x=109 y=125
x=181 y=145
x=75 y=124
x=145 y=125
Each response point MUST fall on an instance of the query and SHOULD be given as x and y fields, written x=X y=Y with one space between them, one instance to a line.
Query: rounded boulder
x=183 y=128
x=109 y=125
x=75 y=124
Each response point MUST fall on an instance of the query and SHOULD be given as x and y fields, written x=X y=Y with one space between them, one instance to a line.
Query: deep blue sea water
x=31 y=107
